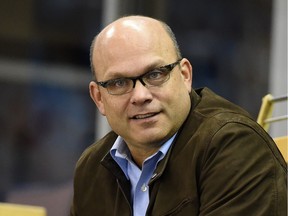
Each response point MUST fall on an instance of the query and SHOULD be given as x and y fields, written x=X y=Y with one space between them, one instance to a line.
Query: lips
x=144 y=116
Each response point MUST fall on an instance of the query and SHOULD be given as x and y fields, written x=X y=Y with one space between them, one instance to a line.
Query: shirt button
x=154 y=175
x=144 y=187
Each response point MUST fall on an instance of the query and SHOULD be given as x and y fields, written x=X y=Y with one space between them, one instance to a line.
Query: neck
x=140 y=155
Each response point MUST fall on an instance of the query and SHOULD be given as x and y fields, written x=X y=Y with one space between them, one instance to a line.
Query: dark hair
x=173 y=38
x=166 y=28
x=91 y=57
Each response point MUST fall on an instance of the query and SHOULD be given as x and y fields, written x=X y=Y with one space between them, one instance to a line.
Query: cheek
x=114 y=108
x=177 y=95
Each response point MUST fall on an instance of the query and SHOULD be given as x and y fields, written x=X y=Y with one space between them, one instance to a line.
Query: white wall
x=278 y=64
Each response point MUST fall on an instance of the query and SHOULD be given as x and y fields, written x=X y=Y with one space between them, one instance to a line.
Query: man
x=173 y=150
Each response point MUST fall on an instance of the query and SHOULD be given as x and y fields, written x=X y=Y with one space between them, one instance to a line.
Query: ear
x=96 y=96
x=186 y=72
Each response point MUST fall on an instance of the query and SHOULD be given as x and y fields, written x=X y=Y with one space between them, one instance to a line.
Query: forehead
x=130 y=48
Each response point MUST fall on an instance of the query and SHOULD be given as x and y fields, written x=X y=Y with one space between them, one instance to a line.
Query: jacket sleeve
x=242 y=173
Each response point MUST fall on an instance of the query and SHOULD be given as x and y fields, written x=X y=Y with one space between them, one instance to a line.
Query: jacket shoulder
x=211 y=104
x=97 y=151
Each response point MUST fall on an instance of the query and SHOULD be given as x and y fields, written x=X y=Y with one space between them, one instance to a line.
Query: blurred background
x=237 y=48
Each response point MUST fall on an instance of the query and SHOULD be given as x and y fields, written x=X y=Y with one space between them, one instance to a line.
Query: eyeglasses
x=155 y=77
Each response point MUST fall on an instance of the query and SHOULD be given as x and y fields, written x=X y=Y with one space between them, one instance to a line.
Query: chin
x=151 y=138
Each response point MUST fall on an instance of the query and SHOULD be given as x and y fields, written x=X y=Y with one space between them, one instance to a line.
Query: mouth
x=144 y=116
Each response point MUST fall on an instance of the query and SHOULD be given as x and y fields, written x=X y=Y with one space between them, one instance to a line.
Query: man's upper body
x=172 y=151
x=220 y=163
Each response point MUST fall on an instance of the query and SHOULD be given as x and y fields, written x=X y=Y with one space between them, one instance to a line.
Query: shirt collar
x=120 y=149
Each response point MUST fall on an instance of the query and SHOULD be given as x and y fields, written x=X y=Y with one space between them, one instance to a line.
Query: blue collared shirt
x=139 y=178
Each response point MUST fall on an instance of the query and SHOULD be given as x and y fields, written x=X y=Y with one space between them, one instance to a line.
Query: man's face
x=146 y=116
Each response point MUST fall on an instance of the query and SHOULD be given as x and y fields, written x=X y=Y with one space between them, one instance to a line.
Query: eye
x=155 y=75
x=118 y=83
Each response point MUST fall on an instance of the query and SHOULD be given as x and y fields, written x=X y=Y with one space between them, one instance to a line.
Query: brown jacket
x=221 y=163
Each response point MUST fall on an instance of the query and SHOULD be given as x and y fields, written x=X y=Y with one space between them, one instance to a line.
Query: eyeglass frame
x=168 y=68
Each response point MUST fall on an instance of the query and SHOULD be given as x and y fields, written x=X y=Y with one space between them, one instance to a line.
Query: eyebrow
x=147 y=68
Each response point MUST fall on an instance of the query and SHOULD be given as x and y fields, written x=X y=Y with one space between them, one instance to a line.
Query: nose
x=140 y=93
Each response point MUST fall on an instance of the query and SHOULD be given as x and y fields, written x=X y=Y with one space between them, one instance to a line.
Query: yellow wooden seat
x=10 y=209
x=282 y=144
x=265 y=118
